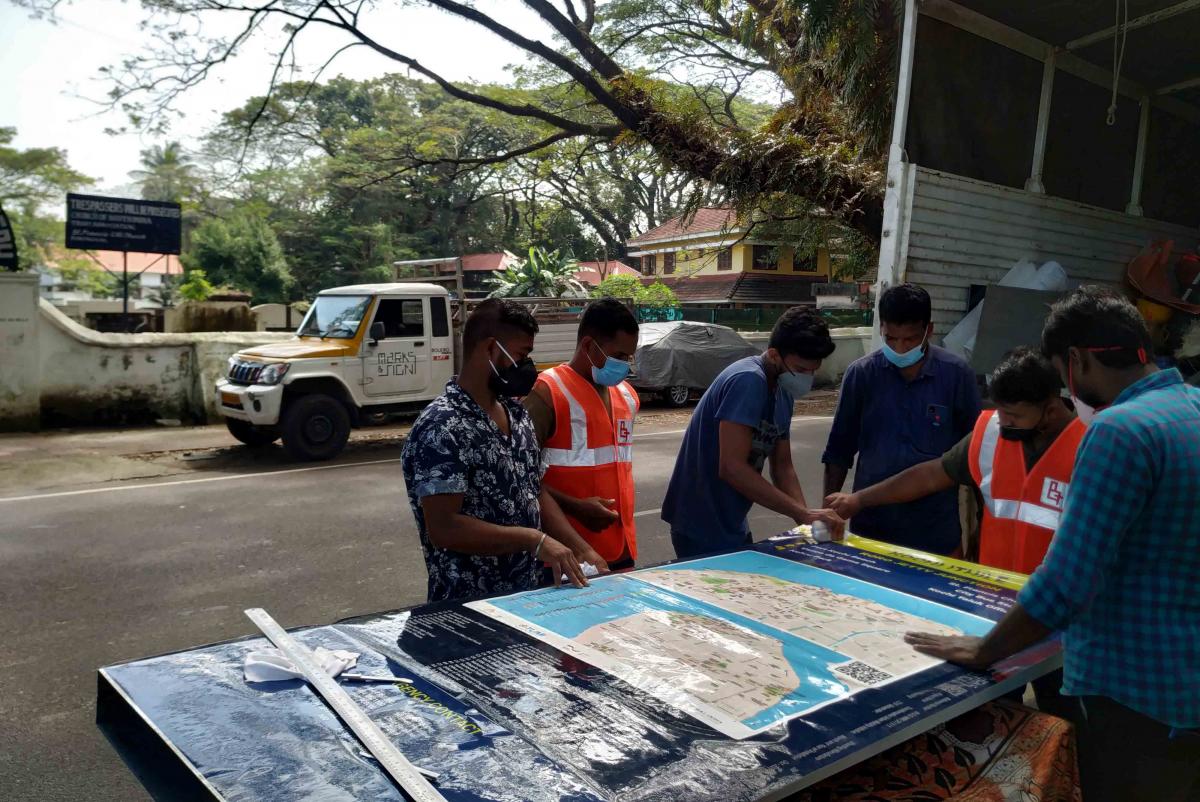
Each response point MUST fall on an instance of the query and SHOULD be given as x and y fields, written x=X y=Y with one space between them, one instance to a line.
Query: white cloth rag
x=270 y=665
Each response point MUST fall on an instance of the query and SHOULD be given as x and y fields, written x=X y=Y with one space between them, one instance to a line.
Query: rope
x=1119 y=36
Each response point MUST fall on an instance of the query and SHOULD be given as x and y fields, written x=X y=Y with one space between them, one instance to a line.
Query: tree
x=80 y=274
x=167 y=174
x=241 y=252
x=630 y=288
x=543 y=275
x=615 y=78
x=195 y=286
x=624 y=287
x=30 y=180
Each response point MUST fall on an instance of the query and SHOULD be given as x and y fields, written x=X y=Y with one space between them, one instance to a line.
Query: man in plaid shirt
x=1122 y=577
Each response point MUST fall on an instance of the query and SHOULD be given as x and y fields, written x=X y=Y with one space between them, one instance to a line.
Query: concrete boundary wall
x=55 y=372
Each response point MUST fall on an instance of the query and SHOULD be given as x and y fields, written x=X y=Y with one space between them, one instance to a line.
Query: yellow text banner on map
x=945 y=565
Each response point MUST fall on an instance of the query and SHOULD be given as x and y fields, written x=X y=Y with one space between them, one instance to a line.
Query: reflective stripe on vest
x=579 y=455
x=1012 y=509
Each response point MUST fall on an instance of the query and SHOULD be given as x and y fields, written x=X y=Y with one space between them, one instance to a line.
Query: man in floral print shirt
x=473 y=470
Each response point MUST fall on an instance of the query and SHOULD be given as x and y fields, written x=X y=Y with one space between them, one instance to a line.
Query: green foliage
x=622 y=286
x=241 y=252
x=81 y=274
x=658 y=294
x=31 y=180
x=630 y=288
x=545 y=274
x=33 y=177
x=195 y=286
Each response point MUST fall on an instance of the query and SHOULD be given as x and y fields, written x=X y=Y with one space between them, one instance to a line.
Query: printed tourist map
x=742 y=642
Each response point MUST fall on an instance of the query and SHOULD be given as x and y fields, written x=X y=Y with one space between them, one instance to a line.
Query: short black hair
x=1098 y=318
x=1024 y=374
x=604 y=317
x=801 y=332
x=492 y=318
x=904 y=304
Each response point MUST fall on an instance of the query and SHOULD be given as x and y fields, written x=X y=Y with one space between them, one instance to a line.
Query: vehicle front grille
x=244 y=372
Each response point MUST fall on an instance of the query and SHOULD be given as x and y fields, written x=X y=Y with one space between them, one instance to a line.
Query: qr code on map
x=863 y=673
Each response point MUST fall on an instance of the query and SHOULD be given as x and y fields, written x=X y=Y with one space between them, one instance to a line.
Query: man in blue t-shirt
x=743 y=422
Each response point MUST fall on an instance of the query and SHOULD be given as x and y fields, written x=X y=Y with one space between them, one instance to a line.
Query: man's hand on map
x=963 y=650
x=589 y=555
x=846 y=505
x=833 y=521
x=561 y=560
x=596 y=513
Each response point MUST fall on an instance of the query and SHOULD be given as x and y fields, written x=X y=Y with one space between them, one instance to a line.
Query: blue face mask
x=611 y=373
x=796 y=385
x=908 y=358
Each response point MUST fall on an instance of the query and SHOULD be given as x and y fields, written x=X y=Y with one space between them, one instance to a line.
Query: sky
x=52 y=81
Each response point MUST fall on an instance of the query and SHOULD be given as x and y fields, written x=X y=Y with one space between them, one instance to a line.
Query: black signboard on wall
x=122 y=224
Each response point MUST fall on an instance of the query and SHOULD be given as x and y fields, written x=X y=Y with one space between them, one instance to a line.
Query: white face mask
x=1085 y=412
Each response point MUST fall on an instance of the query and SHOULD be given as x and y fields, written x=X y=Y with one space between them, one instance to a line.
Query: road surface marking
x=224 y=478
x=232 y=476
x=647 y=512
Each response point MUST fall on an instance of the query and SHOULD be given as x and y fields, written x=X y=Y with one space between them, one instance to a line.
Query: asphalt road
x=127 y=569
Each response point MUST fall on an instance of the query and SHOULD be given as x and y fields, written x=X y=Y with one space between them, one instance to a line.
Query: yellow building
x=710 y=259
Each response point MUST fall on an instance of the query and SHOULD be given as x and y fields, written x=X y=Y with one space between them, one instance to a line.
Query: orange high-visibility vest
x=590 y=454
x=1021 y=509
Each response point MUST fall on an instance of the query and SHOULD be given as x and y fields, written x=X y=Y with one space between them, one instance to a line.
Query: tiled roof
x=487 y=261
x=755 y=288
x=589 y=272
x=706 y=220
x=139 y=262
x=698 y=288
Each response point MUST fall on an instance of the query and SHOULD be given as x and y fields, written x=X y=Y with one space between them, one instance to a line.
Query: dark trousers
x=686 y=548
x=1125 y=756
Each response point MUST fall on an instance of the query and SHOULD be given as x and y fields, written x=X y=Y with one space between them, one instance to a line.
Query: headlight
x=273 y=374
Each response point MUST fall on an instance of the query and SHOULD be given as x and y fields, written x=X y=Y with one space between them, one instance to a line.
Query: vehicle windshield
x=335 y=316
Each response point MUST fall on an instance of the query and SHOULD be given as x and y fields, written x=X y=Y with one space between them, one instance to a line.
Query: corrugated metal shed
x=963 y=232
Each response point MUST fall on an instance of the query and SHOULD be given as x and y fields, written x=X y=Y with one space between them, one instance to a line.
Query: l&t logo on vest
x=1054 y=493
x=624 y=432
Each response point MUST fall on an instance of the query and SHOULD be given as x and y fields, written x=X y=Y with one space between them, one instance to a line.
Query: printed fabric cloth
x=1000 y=752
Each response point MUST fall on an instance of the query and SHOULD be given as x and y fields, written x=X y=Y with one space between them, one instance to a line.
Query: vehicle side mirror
x=378 y=332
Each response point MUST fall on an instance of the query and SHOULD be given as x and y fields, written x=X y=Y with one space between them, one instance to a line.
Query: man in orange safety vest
x=1019 y=457
x=583 y=412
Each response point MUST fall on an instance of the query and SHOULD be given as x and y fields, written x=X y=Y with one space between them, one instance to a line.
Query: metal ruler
x=405 y=774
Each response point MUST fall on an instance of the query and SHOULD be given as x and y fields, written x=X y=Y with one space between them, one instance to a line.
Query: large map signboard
x=737 y=678
x=742 y=641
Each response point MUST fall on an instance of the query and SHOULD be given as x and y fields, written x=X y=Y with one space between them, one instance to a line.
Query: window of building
x=648 y=265
x=725 y=259
x=669 y=262
x=766 y=257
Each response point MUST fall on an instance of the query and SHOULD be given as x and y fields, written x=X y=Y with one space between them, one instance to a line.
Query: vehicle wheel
x=315 y=427
x=253 y=436
x=678 y=395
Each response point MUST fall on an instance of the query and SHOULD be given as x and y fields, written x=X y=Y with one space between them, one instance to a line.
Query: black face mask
x=1019 y=435
x=516 y=380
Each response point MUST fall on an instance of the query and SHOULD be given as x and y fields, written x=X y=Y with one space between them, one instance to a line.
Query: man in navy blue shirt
x=902 y=405
x=742 y=423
